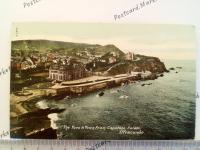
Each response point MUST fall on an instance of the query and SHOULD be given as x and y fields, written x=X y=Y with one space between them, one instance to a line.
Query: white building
x=130 y=56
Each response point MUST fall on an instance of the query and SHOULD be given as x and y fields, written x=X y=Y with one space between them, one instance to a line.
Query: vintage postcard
x=102 y=81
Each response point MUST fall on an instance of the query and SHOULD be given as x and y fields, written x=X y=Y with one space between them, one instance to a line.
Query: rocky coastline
x=34 y=123
x=32 y=82
x=40 y=126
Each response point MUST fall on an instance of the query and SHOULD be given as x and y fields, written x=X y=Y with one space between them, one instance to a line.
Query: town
x=62 y=68
x=79 y=69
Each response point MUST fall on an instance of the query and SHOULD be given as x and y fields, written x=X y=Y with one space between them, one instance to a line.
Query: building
x=112 y=60
x=67 y=72
x=15 y=66
x=129 y=56
x=25 y=63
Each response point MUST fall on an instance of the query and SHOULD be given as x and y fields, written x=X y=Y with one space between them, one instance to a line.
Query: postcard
x=102 y=81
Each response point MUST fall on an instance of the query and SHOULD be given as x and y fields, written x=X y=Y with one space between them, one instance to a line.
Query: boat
x=121 y=91
x=67 y=97
x=124 y=97
x=144 y=84
x=101 y=93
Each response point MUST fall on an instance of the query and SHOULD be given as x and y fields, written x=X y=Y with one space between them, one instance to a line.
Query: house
x=24 y=63
x=15 y=65
x=66 y=72
x=112 y=60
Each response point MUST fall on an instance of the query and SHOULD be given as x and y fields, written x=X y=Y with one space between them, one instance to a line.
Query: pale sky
x=163 y=41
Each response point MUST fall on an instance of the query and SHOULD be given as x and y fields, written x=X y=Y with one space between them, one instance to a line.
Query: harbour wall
x=95 y=86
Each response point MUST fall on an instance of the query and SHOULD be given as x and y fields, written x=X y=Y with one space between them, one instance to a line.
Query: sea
x=161 y=109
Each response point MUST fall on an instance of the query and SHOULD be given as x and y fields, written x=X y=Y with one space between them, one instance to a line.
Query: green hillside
x=67 y=48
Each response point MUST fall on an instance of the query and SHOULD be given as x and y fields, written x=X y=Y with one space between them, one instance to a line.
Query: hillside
x=108 y=49
x=67 y=48
x=107 y=59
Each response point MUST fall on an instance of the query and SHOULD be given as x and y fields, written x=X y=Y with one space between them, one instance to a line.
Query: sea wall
x=91 y=87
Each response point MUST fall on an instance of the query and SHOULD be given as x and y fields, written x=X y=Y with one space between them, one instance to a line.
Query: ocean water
x=163 y=110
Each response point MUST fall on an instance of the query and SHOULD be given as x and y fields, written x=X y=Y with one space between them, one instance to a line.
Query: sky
x=163 y=41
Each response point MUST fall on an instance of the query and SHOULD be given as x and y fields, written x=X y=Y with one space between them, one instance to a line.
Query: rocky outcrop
x=44 y=133
x=34 y=124
x=142 y=64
